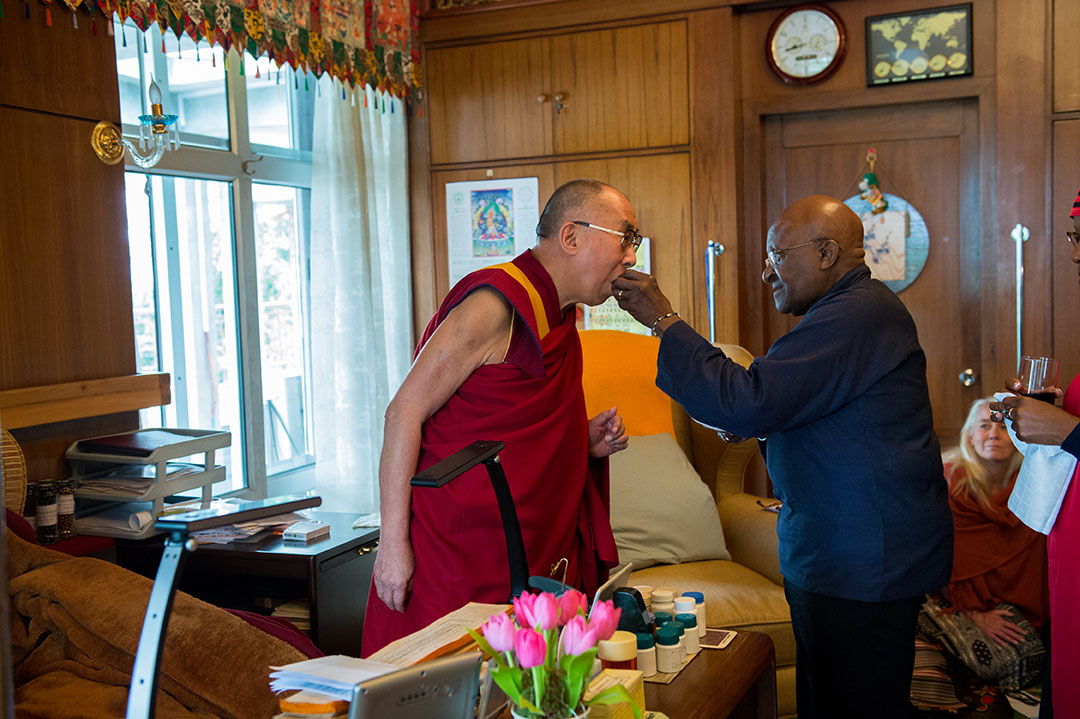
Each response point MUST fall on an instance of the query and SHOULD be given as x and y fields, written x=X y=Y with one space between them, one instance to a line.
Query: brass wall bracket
x=105 y=139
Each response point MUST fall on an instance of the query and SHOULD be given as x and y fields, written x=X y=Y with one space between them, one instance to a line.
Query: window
x=218 y=237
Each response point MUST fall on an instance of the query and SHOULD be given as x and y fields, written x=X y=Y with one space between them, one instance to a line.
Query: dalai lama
x=501 y=360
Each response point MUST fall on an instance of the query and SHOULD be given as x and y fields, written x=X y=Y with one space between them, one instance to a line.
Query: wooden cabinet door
x=622 y=88
x=658 y=187
x=929 y=155
x=483 y=101
x=1066 y=294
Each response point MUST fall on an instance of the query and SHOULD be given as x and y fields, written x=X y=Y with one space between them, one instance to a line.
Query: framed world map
x=923 y=45
x=896 y=241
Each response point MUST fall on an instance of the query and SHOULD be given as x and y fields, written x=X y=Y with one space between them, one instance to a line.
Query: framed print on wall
x=922 y=45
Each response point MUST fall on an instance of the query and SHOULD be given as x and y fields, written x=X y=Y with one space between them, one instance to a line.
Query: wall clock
x=806 y=44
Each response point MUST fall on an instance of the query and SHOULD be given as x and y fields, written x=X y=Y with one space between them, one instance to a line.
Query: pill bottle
x=646 y=654
x=661 y=618
x=646 y=594
x=681 y=629
x=692 y=635
x=663 y=600
x=699 y=609
x=668 y=654
x=619 y=652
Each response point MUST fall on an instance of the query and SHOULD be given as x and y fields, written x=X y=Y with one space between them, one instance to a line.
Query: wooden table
x=333 y=573
x=737 y=681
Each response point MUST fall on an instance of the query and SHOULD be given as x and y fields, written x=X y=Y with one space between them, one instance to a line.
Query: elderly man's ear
x=829 y=254
x=568 y=238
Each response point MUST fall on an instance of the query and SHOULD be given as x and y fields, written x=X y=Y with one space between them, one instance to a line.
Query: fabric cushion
x=661 y=511
x=618 y=371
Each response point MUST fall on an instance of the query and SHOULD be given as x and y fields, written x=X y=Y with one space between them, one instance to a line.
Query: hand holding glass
x=1038 y=377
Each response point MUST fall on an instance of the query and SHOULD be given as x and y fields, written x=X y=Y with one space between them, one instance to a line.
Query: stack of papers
x=445 y=635
x=245 y=530
x=333 y=676
x=132 y=518
x=132 y=480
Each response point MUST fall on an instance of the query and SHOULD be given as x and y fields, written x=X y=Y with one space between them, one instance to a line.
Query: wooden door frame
x=752 y=295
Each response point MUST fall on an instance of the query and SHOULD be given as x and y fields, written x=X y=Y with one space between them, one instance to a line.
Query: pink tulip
x=571 y=603
x=545 y=612
x=499 y=631
x=530 y=648
x=577 y=636
x=523 y=609
x=604 y=619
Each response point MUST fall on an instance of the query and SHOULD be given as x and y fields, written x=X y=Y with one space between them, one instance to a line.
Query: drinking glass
x=1038 y=377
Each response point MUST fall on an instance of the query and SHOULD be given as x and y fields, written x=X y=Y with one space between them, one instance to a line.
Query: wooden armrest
x=750 y=534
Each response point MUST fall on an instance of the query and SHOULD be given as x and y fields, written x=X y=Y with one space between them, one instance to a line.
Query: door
x=928 y=155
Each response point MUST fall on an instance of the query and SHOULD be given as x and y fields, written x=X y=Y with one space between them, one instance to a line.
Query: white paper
x=334 y=676
x=450 y=628
x=608 y=315
x=884 y=239
x=1043 y=480
x=489 y=222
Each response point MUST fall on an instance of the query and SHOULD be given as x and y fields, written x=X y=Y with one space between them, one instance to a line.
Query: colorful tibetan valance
x=359 y=42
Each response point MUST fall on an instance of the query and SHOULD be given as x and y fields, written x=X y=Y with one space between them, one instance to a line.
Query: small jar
x=47 y=532
x=684 y=605
x=662 y=618
x=681 y=630
x=619 y=652
x=699 y=609
x=668 y=654
x=30 y=505
x=692 y=636
x=646 y=654
x=65 y=508
x=646 y=594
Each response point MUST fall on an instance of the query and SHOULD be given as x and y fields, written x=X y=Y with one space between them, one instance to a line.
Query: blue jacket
x=843 y=404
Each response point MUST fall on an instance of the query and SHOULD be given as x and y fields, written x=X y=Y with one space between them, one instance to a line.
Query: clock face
x=806 y=44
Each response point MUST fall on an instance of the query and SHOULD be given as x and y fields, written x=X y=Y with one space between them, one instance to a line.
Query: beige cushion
x=661 y=511
x=735 y=598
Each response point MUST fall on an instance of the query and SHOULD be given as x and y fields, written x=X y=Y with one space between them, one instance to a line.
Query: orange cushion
x=620 y=371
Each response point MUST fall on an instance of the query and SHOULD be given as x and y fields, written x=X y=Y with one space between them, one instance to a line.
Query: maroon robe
x=534 y=403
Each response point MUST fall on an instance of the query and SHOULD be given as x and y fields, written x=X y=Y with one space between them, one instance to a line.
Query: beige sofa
x=745 y=592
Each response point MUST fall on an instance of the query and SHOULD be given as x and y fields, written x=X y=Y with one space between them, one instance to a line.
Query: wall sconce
x=157 y=133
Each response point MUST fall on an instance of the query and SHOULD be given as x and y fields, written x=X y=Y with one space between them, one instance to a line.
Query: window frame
x=241 y=164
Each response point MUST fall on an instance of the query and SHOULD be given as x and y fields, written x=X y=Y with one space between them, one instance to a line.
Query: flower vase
x=517 y=713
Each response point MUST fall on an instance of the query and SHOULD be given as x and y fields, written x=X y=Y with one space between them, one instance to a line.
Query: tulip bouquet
x=543 y=658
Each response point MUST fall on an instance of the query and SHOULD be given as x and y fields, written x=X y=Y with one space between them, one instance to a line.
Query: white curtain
x=361 y=310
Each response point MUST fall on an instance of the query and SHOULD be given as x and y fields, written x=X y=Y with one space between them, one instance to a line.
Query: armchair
x=745 y=592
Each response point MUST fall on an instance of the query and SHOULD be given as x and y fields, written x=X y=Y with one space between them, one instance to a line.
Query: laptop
x=618 y=578
x=444 y=688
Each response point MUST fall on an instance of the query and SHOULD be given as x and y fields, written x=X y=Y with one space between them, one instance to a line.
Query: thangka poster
x=489 y=222
x=608 y=315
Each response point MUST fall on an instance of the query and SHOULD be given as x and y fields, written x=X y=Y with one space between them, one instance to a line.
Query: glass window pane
x=281 y=248
x=143 y=286
x=192 y=82
x=188 y=233
x=281 y=105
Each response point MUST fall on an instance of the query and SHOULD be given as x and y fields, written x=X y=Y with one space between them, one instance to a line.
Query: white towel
x=1042 y=483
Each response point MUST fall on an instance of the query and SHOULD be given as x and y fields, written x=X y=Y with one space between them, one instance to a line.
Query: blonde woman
x=997 y=596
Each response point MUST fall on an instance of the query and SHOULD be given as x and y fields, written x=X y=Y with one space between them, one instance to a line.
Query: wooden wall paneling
x=624 y=88
x=421 y=238
x=1066 y=299
x=714 y=164
x=57 y=69
x=543 y=171
x=550 y=16
x=65 y=280
x=1066 y=65
x=1022 y=174
x=482 y=101
x=759 y=81
x=657 y=186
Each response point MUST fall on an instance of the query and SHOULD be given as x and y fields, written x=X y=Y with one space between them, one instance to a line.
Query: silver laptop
x=618 y=578
x=443 y=688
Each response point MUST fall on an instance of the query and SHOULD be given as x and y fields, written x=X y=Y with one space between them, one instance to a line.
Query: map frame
x=876 y=47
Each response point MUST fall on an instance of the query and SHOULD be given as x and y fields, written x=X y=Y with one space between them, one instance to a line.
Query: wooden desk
x=737 y=681
x=333 y=573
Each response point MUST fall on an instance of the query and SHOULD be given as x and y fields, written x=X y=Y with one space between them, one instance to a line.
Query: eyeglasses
x=1073 y=238
x=629 y=239
x=775 y=257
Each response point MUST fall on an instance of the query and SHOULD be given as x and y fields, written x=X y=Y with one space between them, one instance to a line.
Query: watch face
x=806 y=44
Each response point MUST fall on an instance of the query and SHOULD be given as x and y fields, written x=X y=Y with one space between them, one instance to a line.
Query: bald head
x=821 y=216
x=569 y=198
